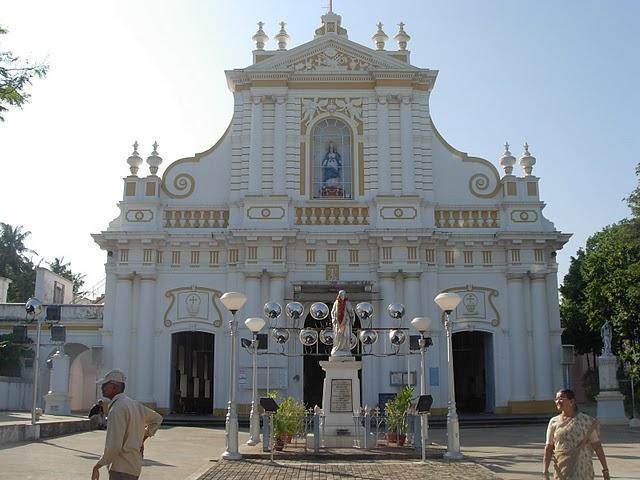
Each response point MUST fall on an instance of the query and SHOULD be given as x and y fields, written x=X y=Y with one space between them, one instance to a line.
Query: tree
x=62 y=268
x=603 y=283
x=577 y=331
x=15 y=76
x=15 y=264
x=10 y=355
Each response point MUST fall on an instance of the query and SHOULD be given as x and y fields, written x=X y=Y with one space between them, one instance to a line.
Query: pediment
x=330 y=55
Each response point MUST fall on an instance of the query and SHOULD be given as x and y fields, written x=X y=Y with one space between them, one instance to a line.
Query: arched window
x=331 y=160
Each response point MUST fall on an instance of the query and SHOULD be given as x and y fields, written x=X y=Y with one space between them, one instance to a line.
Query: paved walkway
x=179 y=453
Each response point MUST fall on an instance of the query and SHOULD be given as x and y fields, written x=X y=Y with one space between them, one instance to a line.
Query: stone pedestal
x=610 y=400
x=340 y=399
x=58 y=401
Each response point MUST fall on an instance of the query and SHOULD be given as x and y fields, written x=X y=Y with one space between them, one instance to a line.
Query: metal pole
x=424 y=423
x=36 y=373
x=633 y=400
x=231 y=452
x=453 y=428
x=254 y=421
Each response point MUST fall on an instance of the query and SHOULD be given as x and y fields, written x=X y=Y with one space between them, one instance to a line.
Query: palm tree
x=12 y=248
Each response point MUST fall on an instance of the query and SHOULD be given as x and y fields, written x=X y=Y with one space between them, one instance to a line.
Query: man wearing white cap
x=129 y=424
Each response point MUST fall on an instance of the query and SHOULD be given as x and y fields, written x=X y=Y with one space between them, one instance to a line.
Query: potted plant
x=396 y=411
x=288 y=420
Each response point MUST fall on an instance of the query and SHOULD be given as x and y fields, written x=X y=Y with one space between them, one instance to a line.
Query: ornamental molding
x=476 y=306
x=311 y=107
x=192 y=304
x=139 y=215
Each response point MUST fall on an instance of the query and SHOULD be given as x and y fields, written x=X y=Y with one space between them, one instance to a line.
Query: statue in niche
x=342 y=316
x=606 y=332
x=331 y=172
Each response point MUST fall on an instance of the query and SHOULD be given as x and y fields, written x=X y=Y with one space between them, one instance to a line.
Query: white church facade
x=331 y=175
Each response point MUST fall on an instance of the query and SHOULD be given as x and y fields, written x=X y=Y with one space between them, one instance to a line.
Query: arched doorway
x=192 y=372
x=473 y=372
x=313 y=372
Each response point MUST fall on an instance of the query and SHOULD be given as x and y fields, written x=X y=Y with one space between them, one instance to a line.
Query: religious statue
x=342 y=316
x=331 y=167
x=606 y=332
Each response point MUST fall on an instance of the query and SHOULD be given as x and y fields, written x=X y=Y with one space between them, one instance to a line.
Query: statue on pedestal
x=331 y=173
x=606 y=332
x=342 y=316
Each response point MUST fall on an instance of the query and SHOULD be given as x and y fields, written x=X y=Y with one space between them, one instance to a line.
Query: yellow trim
x=269 y=83
x=179 y=181
x=263 y=57
x=69 y=327
x=438 y=412
x=130 y=189
x=503 y=410
x=532 y=189
x=150 y=189
x=533 y=406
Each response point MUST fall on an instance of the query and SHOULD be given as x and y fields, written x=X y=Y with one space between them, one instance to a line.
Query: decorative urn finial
x=154 y=160
x=380 y=37
x=282 y=37
x=507 y=161
x=402 y=37
x=134 y=160
x=527 y=161
x=260 y=37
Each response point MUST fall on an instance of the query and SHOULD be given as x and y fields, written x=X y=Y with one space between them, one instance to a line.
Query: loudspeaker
x=269 y=404
x=413 y=343
x=53 y=312
x=424 y=403
x=58 y=333
x=262 y=341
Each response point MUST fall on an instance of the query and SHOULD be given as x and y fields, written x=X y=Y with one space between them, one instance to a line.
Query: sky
x=560 y=75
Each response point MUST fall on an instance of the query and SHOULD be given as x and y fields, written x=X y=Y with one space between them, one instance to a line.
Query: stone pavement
x=180 y=453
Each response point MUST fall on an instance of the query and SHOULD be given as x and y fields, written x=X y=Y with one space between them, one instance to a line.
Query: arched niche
x=332 y=159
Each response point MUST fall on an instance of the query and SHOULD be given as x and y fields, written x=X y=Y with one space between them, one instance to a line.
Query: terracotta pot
x=279 y=445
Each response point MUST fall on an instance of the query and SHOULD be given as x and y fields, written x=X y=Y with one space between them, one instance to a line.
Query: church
x=332 y=176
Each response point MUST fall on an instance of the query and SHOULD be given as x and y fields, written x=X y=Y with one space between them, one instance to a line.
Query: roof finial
x=134 y=159
x=330 y=6
x=507 y=161
x=527 y=161
x=380 y=37
x=260 y=37
x=154 y=160
x=282 y=37
x=402 y=37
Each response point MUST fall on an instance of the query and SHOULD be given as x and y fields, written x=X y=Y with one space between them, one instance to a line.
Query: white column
x=406 y=145
x=384 y=160
x=252 y=291
x=122 y=325
x=255 y=147
x=279 y=146
x=517 y=339
x=276 y=289
x=145 y=340
x=542 y=351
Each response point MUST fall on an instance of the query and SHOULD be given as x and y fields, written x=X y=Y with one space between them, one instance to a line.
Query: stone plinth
x=340 y=399
x=58 y=401
x=610 y=400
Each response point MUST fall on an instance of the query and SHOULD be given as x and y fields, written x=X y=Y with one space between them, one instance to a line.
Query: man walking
x=129 y=424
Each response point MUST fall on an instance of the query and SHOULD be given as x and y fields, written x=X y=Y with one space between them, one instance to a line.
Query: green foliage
x=603 y=283
x=15 y=264
x=62 y=268
x=15 y=76
x=289 y=420
x=397 y=408
x=10 y=355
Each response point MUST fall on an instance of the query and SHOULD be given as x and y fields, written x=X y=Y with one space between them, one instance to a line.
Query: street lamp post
x=422 y=325
x=448 y=301
x=34 y=307
x=254 y=324
x=233 y=301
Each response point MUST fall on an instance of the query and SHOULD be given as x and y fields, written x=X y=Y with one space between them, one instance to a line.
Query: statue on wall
x=342 y=316
x=331 y=167
x=606 y=332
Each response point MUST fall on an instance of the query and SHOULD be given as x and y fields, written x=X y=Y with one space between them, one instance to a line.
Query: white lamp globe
x=421 y=324
x=254 y=324
x=233 y=301
x=448 y=301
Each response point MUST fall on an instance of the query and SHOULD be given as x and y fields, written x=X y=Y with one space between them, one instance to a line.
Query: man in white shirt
x=129 y=424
